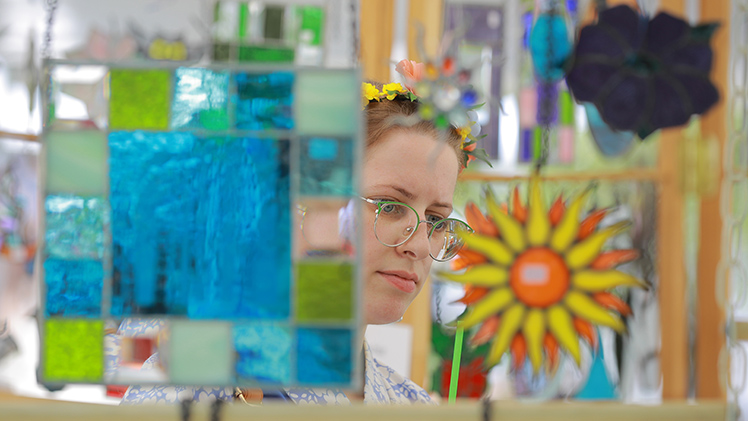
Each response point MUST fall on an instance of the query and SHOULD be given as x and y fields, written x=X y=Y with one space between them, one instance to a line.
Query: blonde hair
x=401 y=113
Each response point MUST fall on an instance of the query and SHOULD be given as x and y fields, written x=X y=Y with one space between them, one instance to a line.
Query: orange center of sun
x=539 y=277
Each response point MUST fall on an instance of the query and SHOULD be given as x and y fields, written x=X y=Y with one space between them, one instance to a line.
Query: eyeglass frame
x=380 y=203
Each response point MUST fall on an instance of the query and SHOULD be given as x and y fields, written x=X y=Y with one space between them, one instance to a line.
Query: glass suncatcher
x=180 y=209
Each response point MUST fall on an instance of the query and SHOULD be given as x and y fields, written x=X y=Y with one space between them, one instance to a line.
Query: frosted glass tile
x=264 y=101
x=324 y=356
x=73 y=287
x=75 y=227
x=200 y=353
x=73 y=351
x=79 y=96
x=263 y=353
x=325 y=291
x=326 y=167
x=200 y=99
x=200 y=226
x=327 y=103
x=139 y=99
x=76 y=162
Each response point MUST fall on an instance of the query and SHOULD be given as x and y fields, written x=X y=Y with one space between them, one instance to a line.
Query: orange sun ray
x=589 y=224
x=485 y=331
x=519 y=211
x=586 y=331
x=551 y=349
x=557 y=211
x=478 y=221
x=473 y=294
x=612 y=302
x=611 y=259
x=519 y=351
x=467 y=258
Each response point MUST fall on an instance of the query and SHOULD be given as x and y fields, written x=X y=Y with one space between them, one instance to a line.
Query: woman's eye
x=389 y=208
x=433 y=218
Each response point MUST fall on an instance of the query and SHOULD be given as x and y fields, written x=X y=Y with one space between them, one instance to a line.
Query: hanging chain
x=45 y=83
x=51 y=6
x=354 y=32
x=732 y=276
x=550 y=95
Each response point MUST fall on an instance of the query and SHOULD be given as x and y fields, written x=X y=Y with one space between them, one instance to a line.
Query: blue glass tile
x=200 y=226
x=263 y=354
x=73 y=288
x=324 y=356
x=75 y=227
x=200 y=99
x=264 y=101
x=326 y=167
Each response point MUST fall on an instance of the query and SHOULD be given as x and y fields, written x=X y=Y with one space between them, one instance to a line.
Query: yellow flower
x=464 y=132
x=392 y=89
x=370 y=92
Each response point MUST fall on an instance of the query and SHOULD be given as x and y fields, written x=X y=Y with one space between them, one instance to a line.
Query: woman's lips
x=399 y=282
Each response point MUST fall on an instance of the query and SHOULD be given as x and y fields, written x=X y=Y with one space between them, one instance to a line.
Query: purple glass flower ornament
x=643 y=75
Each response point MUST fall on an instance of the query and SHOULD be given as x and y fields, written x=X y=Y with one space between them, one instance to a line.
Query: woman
x=409 y=175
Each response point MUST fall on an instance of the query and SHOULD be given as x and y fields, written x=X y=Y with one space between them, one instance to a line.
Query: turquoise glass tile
x=264 y=101
x=200 y=353
x=200 y=99
x=75 y=227
x=76 y=162
x=324 y=356
x=326 y=166
x=263 y=353
x=328 y=103
x=200 y=226
x=73 y=288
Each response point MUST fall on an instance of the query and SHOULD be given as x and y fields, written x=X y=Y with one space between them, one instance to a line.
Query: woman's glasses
x=395 y=223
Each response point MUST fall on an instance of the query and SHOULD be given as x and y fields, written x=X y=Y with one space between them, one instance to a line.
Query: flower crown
x=396 y=91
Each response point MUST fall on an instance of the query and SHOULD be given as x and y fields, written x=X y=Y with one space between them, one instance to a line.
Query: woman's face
x=415 y=169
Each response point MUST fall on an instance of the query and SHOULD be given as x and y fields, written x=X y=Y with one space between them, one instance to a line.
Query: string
x=456 y=357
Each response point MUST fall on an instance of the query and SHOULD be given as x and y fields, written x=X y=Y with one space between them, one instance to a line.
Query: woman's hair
x=401 y=113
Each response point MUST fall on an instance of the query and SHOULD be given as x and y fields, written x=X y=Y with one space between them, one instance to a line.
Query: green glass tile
x=139 y=99
x=73 y=351
x=201 y=353
x=274 y=22
x=312 y=19
x=221 y=51
x=327 y=103
x=566 y=104
x=325 y=291
x=77 y=162
x=253 y=53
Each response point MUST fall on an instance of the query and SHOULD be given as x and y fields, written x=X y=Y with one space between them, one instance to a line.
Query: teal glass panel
x=75 y=227
x=264 y=101
x=324 y=356
x=200 y=99
x=263 y=354
x=200 y=353
x=326 y=166
x=73 y=287
x=328 y=103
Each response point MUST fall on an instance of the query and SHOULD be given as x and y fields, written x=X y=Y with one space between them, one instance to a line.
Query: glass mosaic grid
x=180 y=208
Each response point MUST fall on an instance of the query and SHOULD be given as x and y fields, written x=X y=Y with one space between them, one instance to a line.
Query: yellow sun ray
x=568 y=228
x=561 y=325
x=493 y=303
x=491 y=247
x=534 y=331
x=511 y=321
x=538 y=224
x=588 y=309
x=582 y=254
x=483 y=275
x=602 y=280
x=510 y=229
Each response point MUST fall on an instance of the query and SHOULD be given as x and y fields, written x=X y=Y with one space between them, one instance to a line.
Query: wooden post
x=376 y=38
x=710 y=332
x=426 y=16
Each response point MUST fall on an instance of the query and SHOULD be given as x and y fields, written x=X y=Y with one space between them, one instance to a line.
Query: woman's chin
x=383 y=318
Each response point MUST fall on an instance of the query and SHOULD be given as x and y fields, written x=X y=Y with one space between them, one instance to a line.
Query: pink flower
x=412 y=70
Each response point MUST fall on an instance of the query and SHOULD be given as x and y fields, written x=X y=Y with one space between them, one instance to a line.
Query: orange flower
x=412 y=70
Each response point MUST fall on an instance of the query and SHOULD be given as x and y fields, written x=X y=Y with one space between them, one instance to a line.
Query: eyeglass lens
x=396 y=223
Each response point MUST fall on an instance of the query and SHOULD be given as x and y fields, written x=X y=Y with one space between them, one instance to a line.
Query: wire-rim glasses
x=396 y=222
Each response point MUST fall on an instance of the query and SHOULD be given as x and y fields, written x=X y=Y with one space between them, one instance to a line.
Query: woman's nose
x=418 y=246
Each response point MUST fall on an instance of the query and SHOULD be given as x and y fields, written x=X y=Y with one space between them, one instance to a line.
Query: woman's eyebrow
x=408 y=195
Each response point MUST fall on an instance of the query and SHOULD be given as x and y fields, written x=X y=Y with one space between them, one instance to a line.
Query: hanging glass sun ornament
x=538 y=278
x=641 y=74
